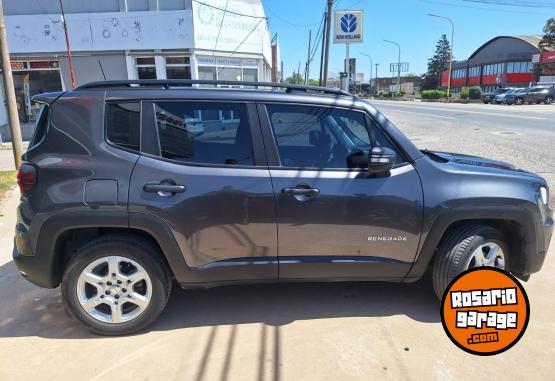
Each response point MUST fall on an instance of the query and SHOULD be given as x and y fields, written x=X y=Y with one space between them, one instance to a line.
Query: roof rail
x=169 y=83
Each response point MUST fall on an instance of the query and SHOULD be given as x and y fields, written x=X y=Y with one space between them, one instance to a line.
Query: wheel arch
x=58 y=242
x=517 y=225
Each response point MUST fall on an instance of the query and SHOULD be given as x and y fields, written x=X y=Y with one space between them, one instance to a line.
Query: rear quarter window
x=123 y=125
x=41 y=126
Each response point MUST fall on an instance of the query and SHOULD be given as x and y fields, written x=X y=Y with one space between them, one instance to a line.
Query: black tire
x=137 y=249
x=485 y=102
x=548 y=100
x=519 y=101
x=456 y=249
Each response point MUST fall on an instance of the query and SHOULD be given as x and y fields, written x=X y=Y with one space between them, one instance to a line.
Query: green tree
x=313 y=82
x=548 y=40
x=296 y=78
x=438 y=63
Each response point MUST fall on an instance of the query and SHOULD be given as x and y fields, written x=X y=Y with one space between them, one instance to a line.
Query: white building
x=134 y=39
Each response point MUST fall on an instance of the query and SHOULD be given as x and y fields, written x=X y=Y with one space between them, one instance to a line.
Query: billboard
x=348 y=27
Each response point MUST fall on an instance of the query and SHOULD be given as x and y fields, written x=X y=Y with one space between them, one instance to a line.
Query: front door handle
x=301 y=190
x=164 y=188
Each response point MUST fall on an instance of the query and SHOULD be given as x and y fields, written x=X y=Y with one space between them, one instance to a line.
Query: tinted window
x=123 y=122
x=206 y=133
x=41 y=125
x=318 y=137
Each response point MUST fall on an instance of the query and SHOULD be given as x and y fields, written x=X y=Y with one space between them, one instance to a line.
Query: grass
x=7 y=181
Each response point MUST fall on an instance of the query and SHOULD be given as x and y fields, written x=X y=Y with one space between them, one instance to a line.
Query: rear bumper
x=33 y=269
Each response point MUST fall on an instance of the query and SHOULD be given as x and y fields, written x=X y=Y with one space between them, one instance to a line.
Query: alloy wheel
x=548 y=100
x=114 y=289
x=488 y=254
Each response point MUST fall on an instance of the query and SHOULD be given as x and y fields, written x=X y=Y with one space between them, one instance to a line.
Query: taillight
x=26 y=178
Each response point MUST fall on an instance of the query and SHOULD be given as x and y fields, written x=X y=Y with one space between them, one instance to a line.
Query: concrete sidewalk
x=344 y=331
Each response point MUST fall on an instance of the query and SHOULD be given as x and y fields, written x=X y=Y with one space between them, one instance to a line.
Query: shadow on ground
x=27 y=310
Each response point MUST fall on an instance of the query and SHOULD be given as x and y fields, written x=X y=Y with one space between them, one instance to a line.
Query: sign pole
x=347 y=69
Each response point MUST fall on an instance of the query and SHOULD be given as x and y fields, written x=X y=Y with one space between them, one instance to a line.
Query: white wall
x=101 y=31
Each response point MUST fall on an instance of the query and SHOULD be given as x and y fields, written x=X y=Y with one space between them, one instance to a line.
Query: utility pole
x=10 y=92
x=377 y=90
x=69 y=57
x=322 y=52
x=327 y=45
x=450 y=52
x=307 y=69
x=281 y=73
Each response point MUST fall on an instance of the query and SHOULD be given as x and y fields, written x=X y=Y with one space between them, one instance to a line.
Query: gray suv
x=129 y=187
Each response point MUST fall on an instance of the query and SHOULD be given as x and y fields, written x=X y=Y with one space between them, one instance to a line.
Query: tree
x=296 y=78
x=313 y=82
x=548 y=41
x=438 y=63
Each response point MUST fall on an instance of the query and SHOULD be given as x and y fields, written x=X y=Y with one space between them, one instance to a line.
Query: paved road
x=521 y=135
x=348 y=331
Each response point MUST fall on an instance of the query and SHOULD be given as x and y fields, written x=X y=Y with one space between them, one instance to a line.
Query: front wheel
x=519 y=101
x=468 y=247
x=116 y=285
x=548 y=100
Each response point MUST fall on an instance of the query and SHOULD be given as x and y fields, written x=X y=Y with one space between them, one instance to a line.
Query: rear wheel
x=116 y=285
x=548 y=100
x=470 y=246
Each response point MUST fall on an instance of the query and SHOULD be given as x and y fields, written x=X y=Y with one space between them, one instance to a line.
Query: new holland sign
x=348 y=27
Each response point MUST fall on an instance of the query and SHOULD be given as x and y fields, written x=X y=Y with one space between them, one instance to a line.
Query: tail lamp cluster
x=26 y=178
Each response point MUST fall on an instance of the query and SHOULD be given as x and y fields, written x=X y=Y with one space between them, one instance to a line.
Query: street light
x=371 y=67
x=398 y=65
x=450 y=53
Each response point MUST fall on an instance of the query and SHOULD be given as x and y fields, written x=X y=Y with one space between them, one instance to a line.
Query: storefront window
x=146 y=68
x=178 y=68
x=227 y=69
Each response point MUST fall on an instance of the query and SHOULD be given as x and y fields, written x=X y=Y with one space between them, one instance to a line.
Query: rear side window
x=204 y=133
x=123 y=124
x=41 y=125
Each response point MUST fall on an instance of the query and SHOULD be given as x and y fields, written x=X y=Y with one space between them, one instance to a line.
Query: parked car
x=540 y=95
x=120 y=199
x=517 y=97
x=489 y=97
x=501 y=98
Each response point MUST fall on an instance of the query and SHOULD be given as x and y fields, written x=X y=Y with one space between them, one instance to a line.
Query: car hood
x=481 y=164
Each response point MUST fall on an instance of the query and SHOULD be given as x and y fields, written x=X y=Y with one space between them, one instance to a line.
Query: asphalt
x=342 y=331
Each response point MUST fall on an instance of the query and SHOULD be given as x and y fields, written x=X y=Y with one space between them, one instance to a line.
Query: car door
x=336 y=220
x=203 y=173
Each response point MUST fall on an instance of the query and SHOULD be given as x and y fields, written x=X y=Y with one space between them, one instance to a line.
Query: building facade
x=134 y=39
x=502 y=61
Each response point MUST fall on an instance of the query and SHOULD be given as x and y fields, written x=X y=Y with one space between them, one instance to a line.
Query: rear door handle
x=164 y=188
x=300 y=190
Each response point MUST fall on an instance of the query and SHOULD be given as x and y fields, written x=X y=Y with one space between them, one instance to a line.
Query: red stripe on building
x=520 y=77
x=473 y=81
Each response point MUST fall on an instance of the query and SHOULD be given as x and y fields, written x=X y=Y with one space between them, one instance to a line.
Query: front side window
x=321 y=137
x=123 y=124
x=204 y=133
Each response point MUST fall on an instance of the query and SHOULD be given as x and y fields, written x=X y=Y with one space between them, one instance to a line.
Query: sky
x=404 y=21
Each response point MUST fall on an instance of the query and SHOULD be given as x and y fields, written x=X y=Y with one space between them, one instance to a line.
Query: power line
x=231 y=12
x=487 y=9
x=287 y=21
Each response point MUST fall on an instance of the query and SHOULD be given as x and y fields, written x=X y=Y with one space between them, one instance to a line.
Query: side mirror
x=381 y=160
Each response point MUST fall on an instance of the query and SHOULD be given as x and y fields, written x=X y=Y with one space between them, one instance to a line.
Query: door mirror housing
x=381 y=160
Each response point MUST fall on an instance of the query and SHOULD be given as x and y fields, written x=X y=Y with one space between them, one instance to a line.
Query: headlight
x=543 y=195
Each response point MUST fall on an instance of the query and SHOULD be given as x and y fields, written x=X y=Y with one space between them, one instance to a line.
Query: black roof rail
x=169 y=83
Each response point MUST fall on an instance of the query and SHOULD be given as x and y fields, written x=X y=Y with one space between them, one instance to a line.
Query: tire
x=135 y=259
x=485 y=102
x=456 y=253
x=519 y=101
x=548 y=100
